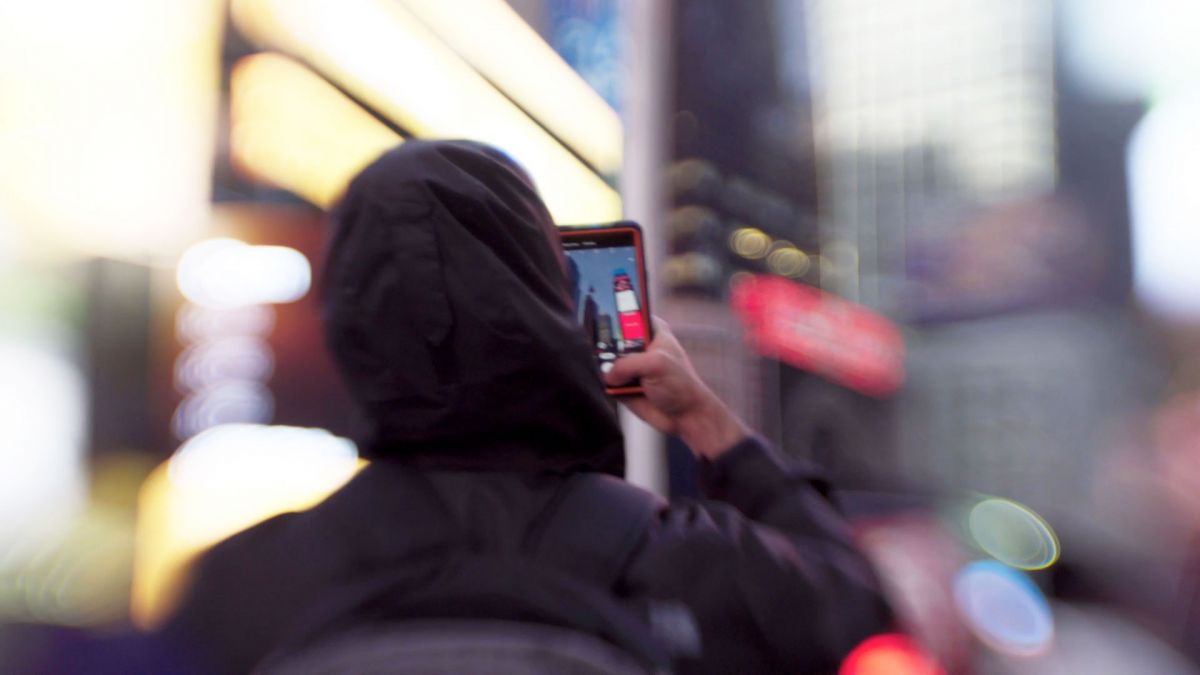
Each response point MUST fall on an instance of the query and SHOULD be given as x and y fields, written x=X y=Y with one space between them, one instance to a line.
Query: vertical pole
x=645 y=100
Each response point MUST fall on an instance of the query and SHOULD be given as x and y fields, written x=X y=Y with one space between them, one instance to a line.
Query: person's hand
x=676 y=401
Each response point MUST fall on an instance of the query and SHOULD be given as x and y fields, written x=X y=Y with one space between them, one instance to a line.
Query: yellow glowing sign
x=490 y=36
x=219 y=483
x=390 y=60
x=108 y=122
x=297 y=131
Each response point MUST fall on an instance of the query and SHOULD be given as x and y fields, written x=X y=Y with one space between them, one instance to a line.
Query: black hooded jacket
x=446 y=307
x=448 y=312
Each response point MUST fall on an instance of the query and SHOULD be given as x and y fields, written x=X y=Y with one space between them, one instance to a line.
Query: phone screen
x=605 y=267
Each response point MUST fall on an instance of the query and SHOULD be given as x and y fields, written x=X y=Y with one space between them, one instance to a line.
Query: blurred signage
x=815 y=331
x=586 y=34
x=1015 y=256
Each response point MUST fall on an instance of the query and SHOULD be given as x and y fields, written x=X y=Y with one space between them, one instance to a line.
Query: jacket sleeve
x=768 y=568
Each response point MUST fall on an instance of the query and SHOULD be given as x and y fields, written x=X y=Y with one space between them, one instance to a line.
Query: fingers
x=634 y=366
x=648 y=364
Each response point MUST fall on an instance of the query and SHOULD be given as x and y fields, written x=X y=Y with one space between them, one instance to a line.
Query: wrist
x=711 y=429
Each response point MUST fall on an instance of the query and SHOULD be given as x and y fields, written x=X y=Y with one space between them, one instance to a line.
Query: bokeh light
x=750 y=242
x=76 y=576
x=224 y=273
x=691 y=269
x=1164 y=202
x=786 y=260
x=889 y=654
x=1013 y=534
x=43 y=409
x=108 y=123
x=1004 y=608
x=693 y=223
x=293 y=129
x=233 y=358
x=227 y=402
x=1126 y=50
x=194 y=323
x=219 y=482
x=215 y=459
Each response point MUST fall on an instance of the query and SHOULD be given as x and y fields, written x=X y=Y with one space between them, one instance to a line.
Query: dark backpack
x=456 y=647
x=550 y=609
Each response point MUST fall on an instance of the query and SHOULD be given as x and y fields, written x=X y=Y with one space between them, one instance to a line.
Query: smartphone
x=607 y=274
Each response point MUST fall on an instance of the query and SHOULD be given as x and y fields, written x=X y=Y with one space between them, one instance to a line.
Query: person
x=447 y=309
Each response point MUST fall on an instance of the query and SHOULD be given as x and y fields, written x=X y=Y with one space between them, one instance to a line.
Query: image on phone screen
x=607 y=289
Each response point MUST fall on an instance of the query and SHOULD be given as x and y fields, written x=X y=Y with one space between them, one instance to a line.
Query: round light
x=694 y=175
x=1004 y=608
x=692 y=221
x=1013 y=534
x=787 y=260
x=215 y=361
x=194 y=323
x=228 y=402
x=230 y=453
x=750 y=242
x=43 y=403
x=226 y=273
x=691 y=269
x=889 y=654
x=738 y=278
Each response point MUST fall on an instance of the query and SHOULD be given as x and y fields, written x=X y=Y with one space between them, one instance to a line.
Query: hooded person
x=493 y=490
x=447 y=310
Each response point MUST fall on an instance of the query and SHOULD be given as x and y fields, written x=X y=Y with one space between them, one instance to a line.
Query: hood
x=447 y=312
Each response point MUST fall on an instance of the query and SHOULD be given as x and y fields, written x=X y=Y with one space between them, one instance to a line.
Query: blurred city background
x=945 y=249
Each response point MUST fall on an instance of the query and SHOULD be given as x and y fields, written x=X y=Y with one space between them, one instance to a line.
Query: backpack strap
x=593 y=527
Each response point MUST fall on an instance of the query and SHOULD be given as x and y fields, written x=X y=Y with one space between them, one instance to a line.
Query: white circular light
x=247 y=453
x=1004 y=608
x=225 y=403
x=227 y=273
x=194 y=323
x=227 y=359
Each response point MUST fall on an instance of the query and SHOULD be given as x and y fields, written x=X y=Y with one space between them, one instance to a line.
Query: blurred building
x=741 y=185
x=958 y=195
x=924 y=110
x=745 y=200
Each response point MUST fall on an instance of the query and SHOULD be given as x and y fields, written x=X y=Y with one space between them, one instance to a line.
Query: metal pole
x=645 y=101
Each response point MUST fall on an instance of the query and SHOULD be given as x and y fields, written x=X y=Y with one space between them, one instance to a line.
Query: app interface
x=604 y=281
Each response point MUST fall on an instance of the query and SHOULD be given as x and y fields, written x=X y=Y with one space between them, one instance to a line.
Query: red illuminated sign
x=821 y=333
